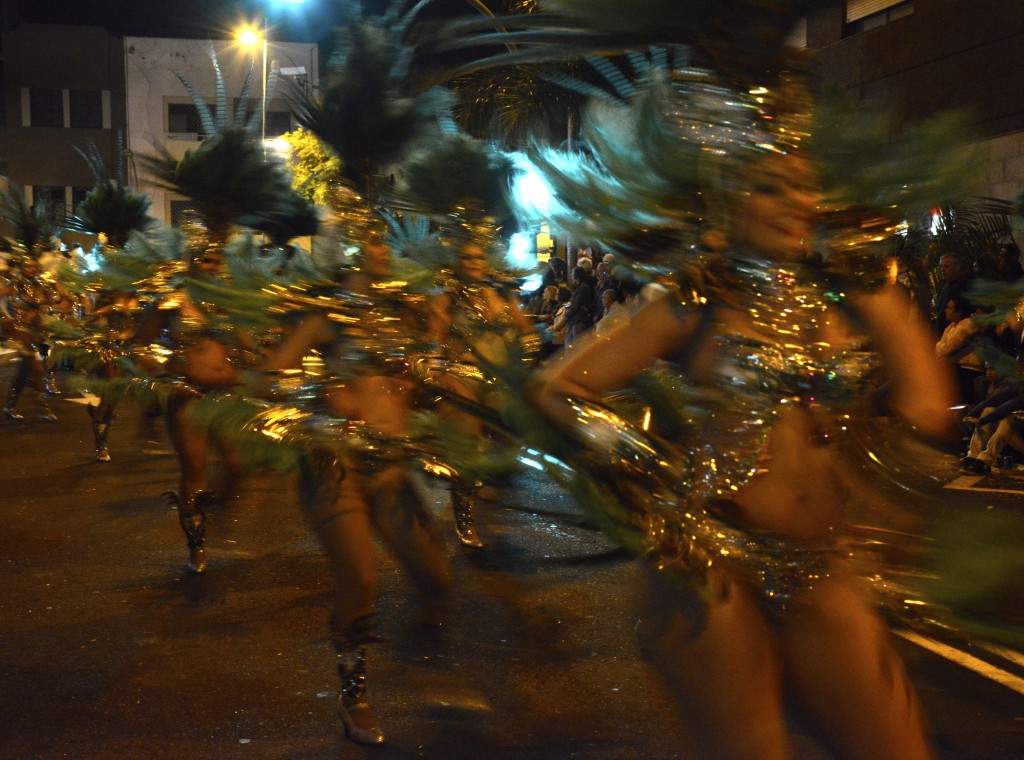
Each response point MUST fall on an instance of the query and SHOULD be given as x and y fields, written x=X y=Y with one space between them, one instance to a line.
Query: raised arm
x=607 y=362
x=312 y=332
x=923 y=387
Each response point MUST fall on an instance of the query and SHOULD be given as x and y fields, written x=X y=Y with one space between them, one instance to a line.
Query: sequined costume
x=191 y=348
x=102 y=353
x=347 y=413
x=477 y=327
x=31 y=297
x=780 y=361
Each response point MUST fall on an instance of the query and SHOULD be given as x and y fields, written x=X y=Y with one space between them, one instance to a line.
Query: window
x=50 y=197
x=77 y=196
x=862 y=15
x=46 y=108
x=86 y=109
x=181 y=211
x=798 y=34
x=278 y=122
x=183 y=118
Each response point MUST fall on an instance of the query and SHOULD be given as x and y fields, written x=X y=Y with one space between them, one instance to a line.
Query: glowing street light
x=250 y=38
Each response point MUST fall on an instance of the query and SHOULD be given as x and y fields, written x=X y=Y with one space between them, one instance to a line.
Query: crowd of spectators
x=987 y=357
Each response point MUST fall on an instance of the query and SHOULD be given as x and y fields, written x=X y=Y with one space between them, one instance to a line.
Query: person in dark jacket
x=581 y=306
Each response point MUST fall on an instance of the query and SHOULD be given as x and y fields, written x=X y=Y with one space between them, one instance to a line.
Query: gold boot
x=356 y=714
x=463 y=502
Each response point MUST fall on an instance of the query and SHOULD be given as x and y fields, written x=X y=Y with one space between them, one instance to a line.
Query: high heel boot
x=192 y=519
x=463 y=502
x=353 y=708
x=45 y=412
x=100 y=432
x=12 y=401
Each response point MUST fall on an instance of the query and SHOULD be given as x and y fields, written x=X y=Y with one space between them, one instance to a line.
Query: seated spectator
x=613 y=312
x=554 y=337
x=580 y=310
x=995 y=427
x=549 y=304
x=956 y=345
x=955 y=279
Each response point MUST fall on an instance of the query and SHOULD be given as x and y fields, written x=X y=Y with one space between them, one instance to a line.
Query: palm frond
x=206 y=117
x=368 y=110
x=32 y=225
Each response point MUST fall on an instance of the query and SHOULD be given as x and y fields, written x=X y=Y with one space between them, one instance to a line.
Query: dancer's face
x=471 y=263
x=777 y=216
x=376 y=258
x=207 y=265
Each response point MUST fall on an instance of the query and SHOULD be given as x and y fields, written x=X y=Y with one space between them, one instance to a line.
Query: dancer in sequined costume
x=747 y=597
x=113 y=322
x=356 y=483
x=473 y=320
x=32 y=295
x=193 y=345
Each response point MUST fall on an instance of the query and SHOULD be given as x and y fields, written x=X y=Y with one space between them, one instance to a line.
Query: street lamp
x=249 y=37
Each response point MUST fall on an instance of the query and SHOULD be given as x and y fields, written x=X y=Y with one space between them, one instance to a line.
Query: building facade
x=922 y=57
x=63 y=88
x=160 y=110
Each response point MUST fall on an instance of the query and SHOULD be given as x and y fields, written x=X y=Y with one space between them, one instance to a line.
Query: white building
x=160 y=111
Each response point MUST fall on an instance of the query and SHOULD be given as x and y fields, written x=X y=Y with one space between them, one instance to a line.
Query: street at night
x=110 y=649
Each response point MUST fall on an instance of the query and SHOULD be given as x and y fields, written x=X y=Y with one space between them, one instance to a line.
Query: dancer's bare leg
x=333 y=495
x=840 y=659
x=191 y=445
x=405 y=527
x=718 y=661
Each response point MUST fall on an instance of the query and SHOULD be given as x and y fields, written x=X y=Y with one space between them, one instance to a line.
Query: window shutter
x=858 y=9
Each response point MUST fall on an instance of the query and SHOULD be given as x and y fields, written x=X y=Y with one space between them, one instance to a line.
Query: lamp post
x=250 y=37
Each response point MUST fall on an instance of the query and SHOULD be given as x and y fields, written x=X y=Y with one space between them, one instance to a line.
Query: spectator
x=613 y=312
x=1008 y=266
x=957 y=345
x=578 y=314
x=555 y=274
x=995 y=427
x=543 y=304
x=955 y=279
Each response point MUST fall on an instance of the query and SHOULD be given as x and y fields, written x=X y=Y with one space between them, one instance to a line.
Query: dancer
x=472 y=320
x=356 y=480
x=33 y=296
x=113 y=324
x=201 y=343
x=763 y=605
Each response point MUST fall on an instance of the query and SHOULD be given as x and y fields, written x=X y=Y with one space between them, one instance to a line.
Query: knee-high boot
x=102 y=416
x=192 y=519
x=12 y=401
x=463 y=502
x=355 y=711
x=43 y=404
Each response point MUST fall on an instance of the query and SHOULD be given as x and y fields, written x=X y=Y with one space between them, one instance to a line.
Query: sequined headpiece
x=469 y=227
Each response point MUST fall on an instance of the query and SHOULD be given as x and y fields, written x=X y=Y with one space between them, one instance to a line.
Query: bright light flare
x=249 y=37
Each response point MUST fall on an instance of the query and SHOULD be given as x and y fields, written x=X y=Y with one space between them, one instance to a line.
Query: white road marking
x=965 y=660
x=1007 y=654
x=969 y=483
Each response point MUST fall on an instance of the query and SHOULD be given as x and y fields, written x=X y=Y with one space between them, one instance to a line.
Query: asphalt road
x=109 y=649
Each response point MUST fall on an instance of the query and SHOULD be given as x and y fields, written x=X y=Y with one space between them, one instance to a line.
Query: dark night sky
x=312 y=21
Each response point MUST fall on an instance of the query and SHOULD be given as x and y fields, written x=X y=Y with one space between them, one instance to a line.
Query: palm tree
x=32 y=226
x=111 y=207
x=230 y=178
